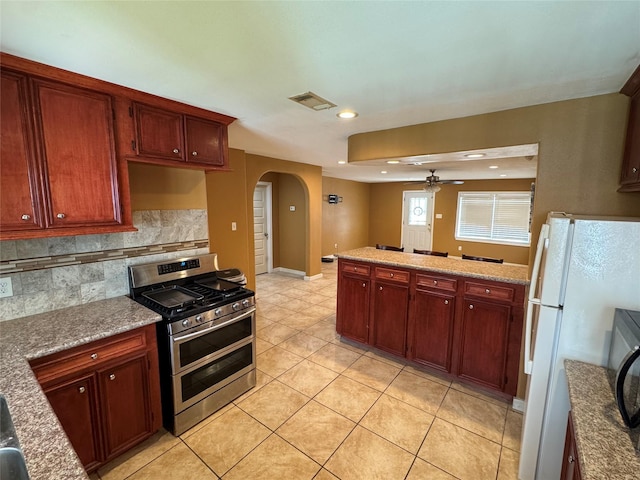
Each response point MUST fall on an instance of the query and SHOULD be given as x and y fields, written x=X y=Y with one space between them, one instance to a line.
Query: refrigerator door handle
x=528 y=340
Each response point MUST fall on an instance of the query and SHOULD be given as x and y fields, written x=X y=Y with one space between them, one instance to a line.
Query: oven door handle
x=214 y=327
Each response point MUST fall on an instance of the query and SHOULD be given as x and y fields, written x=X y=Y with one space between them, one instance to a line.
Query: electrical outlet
x=6 y=289
x=459 y=248
x=234 y=226
x=335 y=245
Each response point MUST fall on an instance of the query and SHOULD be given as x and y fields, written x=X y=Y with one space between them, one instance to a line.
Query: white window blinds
x=494 y=217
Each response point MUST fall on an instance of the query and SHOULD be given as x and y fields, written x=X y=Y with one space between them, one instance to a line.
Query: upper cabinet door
x=19 y=208
x=78 y=148
x=158 y=132
x=206 y=141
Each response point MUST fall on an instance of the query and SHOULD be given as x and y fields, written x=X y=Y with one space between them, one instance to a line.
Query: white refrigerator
x=584 y=268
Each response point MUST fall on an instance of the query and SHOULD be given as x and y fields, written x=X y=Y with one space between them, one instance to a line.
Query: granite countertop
x=501 y=272
x=47 y=451
x=605 y=449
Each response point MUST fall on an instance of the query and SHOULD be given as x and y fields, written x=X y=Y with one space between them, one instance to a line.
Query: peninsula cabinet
x=570 y=464
x=466 y=327
x=105 y=393
x=431 y=321
x=164 y=135
x=389 y=312
x=630 y=174
x=60 y=175
x=352 y=315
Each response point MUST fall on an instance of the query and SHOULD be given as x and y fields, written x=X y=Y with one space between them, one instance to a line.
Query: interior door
x=261 y=227
x=417 y=218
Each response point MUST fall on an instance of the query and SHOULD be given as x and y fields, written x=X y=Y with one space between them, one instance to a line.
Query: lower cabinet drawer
x=440 y=283
x=489 y=291
x=356 y=268
x=391 y=274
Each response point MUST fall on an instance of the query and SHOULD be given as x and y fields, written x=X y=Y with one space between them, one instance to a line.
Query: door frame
x=431 y=198
x=269 y=227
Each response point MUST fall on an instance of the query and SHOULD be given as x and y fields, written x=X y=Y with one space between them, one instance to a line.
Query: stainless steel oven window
x=208 y=377
x=211 y=340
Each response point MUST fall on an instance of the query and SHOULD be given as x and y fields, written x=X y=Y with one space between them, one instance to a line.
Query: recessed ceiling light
x=342 y=162
x=393 y=162
x=493 y=166
x=347 y=114
x=503 y=174
x=417 y=163
x=474 y=155
x=383 y=171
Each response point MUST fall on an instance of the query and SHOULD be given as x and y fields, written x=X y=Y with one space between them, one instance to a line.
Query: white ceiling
x=396 y=63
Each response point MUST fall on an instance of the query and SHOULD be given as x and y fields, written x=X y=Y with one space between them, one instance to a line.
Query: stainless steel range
x=206 y=338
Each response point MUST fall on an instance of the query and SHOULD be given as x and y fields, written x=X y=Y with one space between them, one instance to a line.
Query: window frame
x=496 y=241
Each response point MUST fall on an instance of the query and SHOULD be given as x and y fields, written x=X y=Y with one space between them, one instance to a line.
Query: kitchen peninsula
x=459 y=317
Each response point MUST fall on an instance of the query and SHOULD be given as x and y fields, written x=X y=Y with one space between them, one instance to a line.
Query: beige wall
x=446 y=203
x=156 y=187
x=345 y=223
x=580 y=150
x=292 y=225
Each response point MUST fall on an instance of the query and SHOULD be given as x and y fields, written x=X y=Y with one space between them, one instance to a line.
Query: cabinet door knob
x=571 y=459
x=94 y=356
x=380 y=287
x=60 y=215
x=470 y=307
x=435 y=282
x=634 y=169
x=487 y=291
x=195 y=154
x=446 y=302
x=391 y=275
x=82 y=389
x=364 y=284
x=26 y=217
x=176 y=150
x=112 y=376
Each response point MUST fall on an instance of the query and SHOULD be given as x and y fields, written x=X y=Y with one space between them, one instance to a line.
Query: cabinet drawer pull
x=25 y=217
x=195 y=154
x=435 y=282
x=112 y=376
x=391 y=275
x=364 y=284
x=355 y=269
x=380 y=287
x=487 y=291
x=82 y=389
x=571 y=459
x=446 y=302
x=94 y=356
x=60 y=215
x=176 y=150
x=471 y=307
x=634 y=170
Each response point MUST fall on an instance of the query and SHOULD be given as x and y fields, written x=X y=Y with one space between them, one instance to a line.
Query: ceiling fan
x=432 y=182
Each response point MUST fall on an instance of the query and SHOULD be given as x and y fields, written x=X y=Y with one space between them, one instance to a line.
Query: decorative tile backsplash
x=52 y=273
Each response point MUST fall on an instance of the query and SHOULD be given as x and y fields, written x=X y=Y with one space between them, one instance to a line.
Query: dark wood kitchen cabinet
x=164 y=135
x=105 y=393
x=389 y=310
x=352 y=313
x=60 y=175
x=570 y=463
x=491 y=328
x=431 y=321
x=630 y=174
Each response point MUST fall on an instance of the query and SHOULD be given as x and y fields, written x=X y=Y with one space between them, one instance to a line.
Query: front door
x=261 y=240
x=417 y=217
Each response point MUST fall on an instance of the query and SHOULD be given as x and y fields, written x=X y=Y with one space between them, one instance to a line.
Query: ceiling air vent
x=312 y=101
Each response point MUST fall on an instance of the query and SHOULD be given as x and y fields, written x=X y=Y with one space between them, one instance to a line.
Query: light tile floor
x=327 y=409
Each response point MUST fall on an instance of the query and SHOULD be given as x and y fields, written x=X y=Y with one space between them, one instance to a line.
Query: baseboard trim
x=518 y=404
x=289 y=271
x=312 y=277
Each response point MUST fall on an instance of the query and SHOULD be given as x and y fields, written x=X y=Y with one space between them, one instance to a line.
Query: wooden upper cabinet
x=79 y=163
x=206 y=141
x=158 y=132
x=630 y=173
x=19 y=206
x=163 y=135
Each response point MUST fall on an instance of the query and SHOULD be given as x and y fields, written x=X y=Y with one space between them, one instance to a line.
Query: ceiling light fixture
x=432 y=188
x=342 y=162
x=493 y=166
x=312 y=101
x=393 y=162
x=474 y=155
x=347 y=114
x=503 y=174
x=383 y=171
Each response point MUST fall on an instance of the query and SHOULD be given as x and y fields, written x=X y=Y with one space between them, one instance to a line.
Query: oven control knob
x=236 y=306
x=245 y=303
x=218 y=312
x=185 y=323
x=199 y=318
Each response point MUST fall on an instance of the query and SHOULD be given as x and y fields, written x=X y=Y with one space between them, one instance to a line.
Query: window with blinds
x=494 y=217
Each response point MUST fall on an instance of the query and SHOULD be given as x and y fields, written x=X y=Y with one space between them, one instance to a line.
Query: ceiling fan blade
x=452 y=182
x=414 y=183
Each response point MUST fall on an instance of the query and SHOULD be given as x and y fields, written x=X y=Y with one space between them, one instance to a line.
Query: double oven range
x=206 y=338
